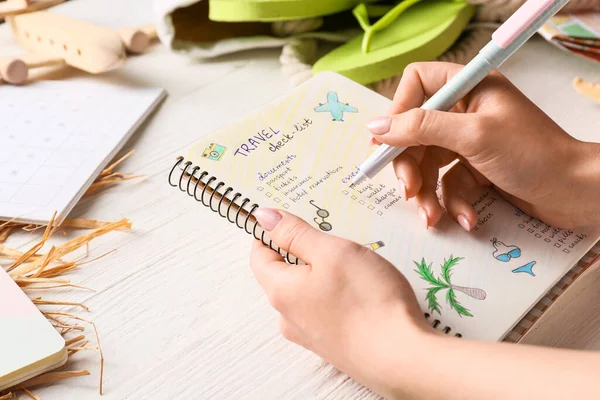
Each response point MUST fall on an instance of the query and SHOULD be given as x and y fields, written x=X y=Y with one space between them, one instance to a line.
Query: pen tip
x=357 y=179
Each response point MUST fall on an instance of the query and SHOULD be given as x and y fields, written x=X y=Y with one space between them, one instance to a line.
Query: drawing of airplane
x=53 y=39
x=336 y=108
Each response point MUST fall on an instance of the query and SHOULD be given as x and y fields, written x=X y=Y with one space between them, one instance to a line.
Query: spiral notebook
x=300 y=152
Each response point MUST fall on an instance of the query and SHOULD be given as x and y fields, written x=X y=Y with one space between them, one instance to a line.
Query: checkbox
x=286 y=205
x=379 y=212
x=537 y=235
x=521 y=226
x=353 y=197
x=260 y=188
x=530 y=230
x=547 y=240
x=361 y=201
x=345 y=191
x=371 y=207
x=556 y=244
x=277 y=199
x=269 y=194
x=566 y=251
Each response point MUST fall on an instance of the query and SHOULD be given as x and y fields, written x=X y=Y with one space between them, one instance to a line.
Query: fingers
x=457 y=185
x=291 y=331
x=278 y=279
x=430 y=209
x=406 y=166
x=421 y=80
x=293 y=234
x=460 y=133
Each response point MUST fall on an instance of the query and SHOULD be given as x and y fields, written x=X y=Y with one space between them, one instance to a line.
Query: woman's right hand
x=500 y=139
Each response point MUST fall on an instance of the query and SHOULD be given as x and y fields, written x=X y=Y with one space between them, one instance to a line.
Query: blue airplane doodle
x=336 y=108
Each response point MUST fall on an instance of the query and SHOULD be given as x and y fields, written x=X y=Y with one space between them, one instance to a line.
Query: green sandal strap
x=388 y=15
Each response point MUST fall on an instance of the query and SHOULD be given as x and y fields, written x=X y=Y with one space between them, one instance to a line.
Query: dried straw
x=109 y=181
x=40 y=301
x=50 y=377
x=588 y=89
x=5 y=232
x=38 y=270
x=109 y=170
x=108 y=178
x=67 y=247
x=33 y=396
x=82 y=223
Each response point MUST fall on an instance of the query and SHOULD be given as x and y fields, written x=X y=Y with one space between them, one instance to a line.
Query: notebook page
x=28 y=342
x=57 y=136
x=300 y=154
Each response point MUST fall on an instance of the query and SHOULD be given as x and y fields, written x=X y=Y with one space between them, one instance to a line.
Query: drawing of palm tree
x=445 y=283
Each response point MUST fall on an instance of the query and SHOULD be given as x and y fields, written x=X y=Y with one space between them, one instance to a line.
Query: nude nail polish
x=380 y=125
x=464 y=222
x=424 y=217
x=402 y=189
x=267 y=218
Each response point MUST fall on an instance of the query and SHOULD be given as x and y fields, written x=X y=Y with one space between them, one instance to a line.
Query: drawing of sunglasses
x=322 y=213
x=214 y=152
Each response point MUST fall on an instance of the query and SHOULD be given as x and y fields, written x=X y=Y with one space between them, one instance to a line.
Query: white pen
x=507 y=39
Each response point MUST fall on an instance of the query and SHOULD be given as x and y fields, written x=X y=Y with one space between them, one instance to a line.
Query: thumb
x=292 y=234
x=457 y=132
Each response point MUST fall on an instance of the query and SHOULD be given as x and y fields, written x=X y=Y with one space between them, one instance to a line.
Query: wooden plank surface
x=179 y=312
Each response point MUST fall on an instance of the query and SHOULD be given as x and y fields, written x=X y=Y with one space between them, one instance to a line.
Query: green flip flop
x=413 y=30
x=276 y=10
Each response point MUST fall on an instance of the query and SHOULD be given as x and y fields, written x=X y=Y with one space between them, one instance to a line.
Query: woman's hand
x=500 y=138
x=348 y=305
x=358 y=312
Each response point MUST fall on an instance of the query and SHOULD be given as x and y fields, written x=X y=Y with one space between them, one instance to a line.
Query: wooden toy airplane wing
x=14 y=7
x=53 y=39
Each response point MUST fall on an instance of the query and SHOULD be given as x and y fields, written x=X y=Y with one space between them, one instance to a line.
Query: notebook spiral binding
x=201 y=189
x=243 y=215
x=436 y=323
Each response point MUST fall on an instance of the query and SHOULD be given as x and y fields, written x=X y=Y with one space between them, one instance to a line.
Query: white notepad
x=29 y=344
x=57 y=136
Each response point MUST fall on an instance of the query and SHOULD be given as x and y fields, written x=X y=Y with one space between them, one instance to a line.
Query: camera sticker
x=214 y=152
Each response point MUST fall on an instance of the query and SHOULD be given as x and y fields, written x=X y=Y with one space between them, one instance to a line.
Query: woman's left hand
x=348 y=304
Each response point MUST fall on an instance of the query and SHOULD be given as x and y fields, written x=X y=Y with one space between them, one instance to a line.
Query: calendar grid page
x=57 y=136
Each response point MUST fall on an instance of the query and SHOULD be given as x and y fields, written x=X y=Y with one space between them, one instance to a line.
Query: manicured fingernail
x=380 y=125
x=464 y=222
x=267 y=218
x=402 y=189
x=424 y=217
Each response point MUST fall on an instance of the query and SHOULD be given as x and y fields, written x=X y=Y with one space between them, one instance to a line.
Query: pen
x=507 y=39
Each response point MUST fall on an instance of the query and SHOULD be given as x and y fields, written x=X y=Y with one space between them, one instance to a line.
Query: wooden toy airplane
x=53 y=39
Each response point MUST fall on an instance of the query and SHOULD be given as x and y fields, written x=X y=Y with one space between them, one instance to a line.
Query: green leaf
x=453 y=302
x=427 y=274
x=447 y=268
x=432 y=301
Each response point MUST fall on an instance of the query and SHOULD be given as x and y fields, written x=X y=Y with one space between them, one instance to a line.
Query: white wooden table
x=179 y=312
